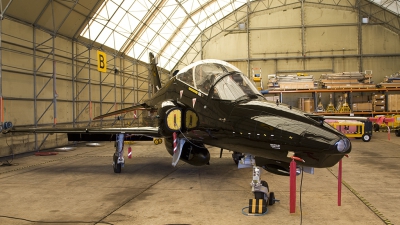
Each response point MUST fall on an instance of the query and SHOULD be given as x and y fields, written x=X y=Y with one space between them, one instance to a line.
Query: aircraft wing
x=125 y=110
x=145 y=131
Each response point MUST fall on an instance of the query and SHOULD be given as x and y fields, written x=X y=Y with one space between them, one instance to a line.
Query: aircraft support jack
x=118 y=158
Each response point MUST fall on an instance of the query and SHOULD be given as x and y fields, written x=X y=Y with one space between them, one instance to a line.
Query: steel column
x=74 y=59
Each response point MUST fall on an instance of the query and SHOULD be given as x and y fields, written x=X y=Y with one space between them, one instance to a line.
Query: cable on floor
x=251 y=214
x=54 y=222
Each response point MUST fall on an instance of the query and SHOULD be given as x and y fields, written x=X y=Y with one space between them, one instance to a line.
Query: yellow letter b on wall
x=101 y=62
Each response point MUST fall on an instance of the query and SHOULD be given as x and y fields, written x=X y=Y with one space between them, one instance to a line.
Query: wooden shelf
x=355 y=113
x=315 y=93
x=333 y=90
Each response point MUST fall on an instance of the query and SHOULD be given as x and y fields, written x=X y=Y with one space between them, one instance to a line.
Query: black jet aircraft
x=211 y=102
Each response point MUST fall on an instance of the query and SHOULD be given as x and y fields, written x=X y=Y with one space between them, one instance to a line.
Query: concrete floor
x=79 y=187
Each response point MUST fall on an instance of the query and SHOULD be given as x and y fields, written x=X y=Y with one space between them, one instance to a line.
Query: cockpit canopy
x=217 y=78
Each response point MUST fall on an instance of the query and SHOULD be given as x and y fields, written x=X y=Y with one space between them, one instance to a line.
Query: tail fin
x=155 y=76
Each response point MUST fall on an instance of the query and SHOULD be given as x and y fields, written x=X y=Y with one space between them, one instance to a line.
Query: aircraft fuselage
x=254 y=126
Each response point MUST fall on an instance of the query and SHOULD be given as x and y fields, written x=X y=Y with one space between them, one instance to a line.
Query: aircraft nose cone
x=343 y=145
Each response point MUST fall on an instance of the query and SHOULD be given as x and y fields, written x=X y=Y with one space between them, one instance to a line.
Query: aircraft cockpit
x=218 y=79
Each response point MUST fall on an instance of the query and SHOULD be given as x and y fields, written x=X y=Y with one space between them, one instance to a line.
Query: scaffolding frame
x=128 y=86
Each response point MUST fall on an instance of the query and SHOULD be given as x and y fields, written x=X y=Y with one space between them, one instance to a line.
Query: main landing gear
x=118 y=158
x=237 y=156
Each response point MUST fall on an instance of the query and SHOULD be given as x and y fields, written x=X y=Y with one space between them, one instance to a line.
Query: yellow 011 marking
x=174 y=119
x=191 y=119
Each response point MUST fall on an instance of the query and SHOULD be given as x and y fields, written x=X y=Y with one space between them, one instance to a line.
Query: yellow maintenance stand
x=257 y=78
x=354 y=129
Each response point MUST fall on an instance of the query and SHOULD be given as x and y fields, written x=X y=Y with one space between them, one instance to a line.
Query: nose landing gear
x=262 y=195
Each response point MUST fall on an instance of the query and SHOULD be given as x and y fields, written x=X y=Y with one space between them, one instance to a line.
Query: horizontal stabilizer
x=125 y=110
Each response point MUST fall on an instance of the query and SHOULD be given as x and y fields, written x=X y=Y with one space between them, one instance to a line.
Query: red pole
x=339 y=201
x=129 y=152
x=293 y=186
x=174 y=135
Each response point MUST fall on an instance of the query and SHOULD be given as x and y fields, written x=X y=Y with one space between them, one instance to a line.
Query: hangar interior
x=49 y=50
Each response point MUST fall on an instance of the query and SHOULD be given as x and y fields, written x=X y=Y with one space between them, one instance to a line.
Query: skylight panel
x=218 y=15
x=139 y=10
x=391 y=5
x=102 y=38
x=108 y=10
x=110 y=42
x=147 y=36
x=158 y=42
x=184 y=46
x=170 y=50
x=118 y=16
x=172 y=62
x=168 y=29
x=155 y=26
x=119 y=40
x=126 y=5
x=165 y=33
x=162 y=61
x=145 y=55
x=202 y=25
x=178 y=16
x=169 y=7
x=195 y=32
x=93 y=31
x=137 y=50
x=238 y=4
x=191 y=5
x=124 y=27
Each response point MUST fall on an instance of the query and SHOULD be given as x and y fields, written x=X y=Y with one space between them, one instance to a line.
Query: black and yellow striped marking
x=193 y=90
x=257 y=206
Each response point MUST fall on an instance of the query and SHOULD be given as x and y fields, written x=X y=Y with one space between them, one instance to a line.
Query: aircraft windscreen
x=234 y=86
x=201 y=75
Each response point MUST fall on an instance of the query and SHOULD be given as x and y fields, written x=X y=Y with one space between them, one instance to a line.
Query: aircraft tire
x=366 y=137
x=271 y=199
x=259 y=195
x=117 y=167
x=265 y=184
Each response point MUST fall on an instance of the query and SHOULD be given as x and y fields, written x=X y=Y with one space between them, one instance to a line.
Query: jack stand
x=320 y=107
x=118 y=158
x=330 y=108
x=345 y=107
